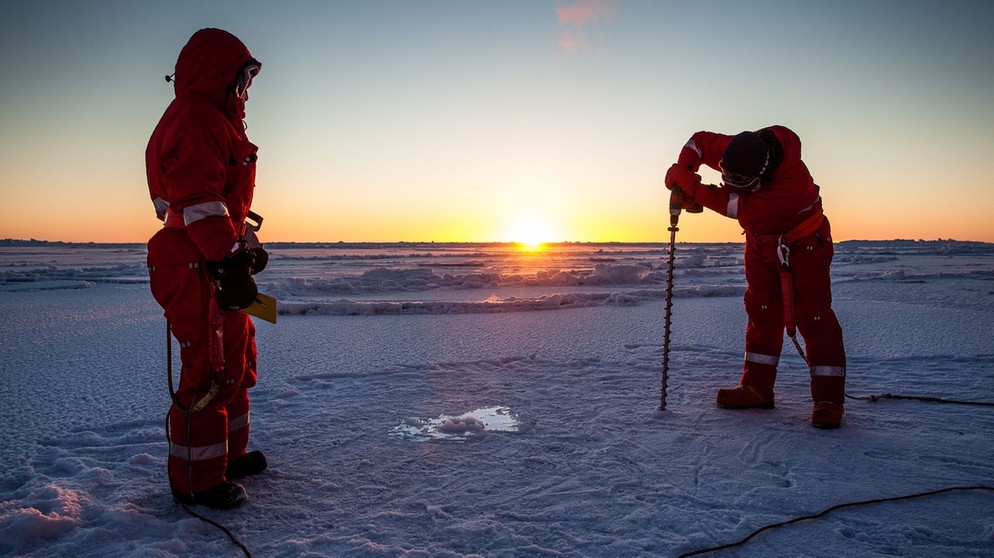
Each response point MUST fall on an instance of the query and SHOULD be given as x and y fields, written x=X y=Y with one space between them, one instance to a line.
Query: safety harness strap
x=789 y=312
x=806 y=228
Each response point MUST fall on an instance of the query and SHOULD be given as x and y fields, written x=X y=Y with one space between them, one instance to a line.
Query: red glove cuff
x=686 y=179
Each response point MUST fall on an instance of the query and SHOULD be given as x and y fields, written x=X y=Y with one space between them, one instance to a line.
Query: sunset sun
x=531 y=231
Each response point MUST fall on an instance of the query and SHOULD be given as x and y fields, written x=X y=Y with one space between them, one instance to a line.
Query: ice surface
x=384 y=386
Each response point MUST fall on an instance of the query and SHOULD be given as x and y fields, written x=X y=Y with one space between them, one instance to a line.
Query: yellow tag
x=264 y=307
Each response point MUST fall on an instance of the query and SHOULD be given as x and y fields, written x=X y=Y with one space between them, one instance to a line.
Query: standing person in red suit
x=788 y=251
x=200 y=167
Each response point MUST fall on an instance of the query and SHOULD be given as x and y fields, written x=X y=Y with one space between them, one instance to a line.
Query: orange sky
x=429 y=121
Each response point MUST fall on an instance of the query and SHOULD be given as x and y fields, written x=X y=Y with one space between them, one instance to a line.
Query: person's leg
x=764 y=331
x=817 y=323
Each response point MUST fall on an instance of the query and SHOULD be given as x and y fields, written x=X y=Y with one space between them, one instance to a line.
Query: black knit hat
x=746 y=155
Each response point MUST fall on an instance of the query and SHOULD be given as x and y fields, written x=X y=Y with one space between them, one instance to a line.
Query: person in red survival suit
x=788 y=251
x=200 y=167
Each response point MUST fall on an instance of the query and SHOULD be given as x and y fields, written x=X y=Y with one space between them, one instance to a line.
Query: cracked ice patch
x=468 y=426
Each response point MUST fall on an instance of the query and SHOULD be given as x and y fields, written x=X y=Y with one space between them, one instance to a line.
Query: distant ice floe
x=389 y=279
x=491 y=305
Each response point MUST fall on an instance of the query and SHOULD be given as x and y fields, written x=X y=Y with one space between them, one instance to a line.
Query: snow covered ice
x=478 y=400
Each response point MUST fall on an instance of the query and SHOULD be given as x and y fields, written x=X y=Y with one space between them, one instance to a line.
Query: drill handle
x=677 y=202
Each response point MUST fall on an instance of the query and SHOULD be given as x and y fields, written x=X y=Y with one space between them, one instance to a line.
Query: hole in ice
x=468 y=426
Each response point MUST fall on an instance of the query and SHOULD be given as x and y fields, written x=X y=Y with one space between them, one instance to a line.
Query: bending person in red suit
x=788 y=252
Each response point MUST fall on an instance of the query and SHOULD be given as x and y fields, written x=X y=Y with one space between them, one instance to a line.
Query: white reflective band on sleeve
x=733 y=206
x=161 y=206
x=838 y=371
x=808 y=208
x=762 y=359
x=238 y=423
x=693 y=146
x=199 y=453
x=194 y=213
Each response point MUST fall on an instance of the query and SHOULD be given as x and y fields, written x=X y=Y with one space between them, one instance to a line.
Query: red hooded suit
x=201 y=174
x=788 y=201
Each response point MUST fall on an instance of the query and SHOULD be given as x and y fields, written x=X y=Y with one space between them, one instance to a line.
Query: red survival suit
x=787 y=202
x=201 y=175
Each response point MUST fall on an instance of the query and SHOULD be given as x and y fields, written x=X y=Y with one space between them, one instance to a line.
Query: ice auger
x=676 y=204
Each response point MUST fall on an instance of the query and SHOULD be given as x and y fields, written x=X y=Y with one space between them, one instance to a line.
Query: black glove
x=234 y=287
x=261 y=259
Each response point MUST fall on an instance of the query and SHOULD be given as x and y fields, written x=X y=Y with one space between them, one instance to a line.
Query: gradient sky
x=463 y=120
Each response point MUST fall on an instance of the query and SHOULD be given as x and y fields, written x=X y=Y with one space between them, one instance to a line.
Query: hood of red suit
x=209 y=63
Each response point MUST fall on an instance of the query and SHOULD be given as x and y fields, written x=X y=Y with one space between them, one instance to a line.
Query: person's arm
x=195 y=166
x=703 y=148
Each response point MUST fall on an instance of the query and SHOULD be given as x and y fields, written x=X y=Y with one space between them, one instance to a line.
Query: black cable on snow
x=875 y=398
x=829 y=510
x=231 y=535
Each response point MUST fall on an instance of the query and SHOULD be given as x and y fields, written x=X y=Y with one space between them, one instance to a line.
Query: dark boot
x=827 y=415
x=252 y=463
x=745 y=397
x=223 y=496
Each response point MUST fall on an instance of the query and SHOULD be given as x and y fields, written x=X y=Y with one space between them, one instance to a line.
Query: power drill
x=676 y=202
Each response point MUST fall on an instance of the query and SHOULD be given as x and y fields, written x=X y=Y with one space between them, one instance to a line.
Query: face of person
x=244 y=81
